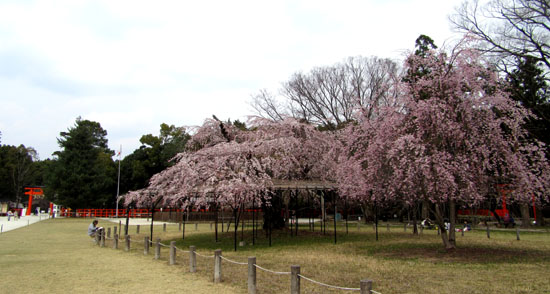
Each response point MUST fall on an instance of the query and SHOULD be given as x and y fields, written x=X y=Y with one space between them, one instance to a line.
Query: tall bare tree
x=330 y=96
x=508 y=30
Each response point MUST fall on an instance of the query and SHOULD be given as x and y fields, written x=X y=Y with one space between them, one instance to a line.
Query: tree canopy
x=508 y=30
x=83 y=173
x=456 y=135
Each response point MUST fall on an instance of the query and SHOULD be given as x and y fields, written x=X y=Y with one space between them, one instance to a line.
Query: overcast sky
x=132 y=65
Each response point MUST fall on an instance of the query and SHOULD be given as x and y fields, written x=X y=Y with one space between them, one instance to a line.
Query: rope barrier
x=270 y=271
x=257 y=266
x=184 y=251
x=329 y=286
x=232 y=261
x=206 y=256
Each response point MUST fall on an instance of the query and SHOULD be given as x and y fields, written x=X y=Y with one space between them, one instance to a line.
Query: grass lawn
x=56 y=256
x=398 y=263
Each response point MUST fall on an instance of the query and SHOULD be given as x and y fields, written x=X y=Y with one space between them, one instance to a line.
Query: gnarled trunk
x=452 y=220
x=441 y=224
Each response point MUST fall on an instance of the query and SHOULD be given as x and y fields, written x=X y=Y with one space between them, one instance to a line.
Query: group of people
x=14 y=214
x=428 y=224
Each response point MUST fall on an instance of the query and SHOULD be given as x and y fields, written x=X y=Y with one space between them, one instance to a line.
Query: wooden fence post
x=109 y=232
x=164 y=227
x=217 y=266
x=102 y=241
x=196 y=226
x=115 y=231
x=115 y=241
x=366 y=286
x=127 y=241
x=157 y=249
x=146 y=245
x=137 y=230
x=192 y=259
x=517 y=233
x=172 y=252
x=252 y=275
x=97 y=237
x=294 y=279
x=488 y=232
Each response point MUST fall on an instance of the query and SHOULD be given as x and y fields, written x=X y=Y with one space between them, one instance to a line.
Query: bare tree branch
x=508 y=30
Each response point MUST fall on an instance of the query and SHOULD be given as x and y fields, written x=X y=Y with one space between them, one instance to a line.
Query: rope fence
x=295 y=276
x=329 y=286
x=270 y=271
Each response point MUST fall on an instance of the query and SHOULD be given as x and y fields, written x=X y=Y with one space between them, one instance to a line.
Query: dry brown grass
x=56 y=256
x=398 y=263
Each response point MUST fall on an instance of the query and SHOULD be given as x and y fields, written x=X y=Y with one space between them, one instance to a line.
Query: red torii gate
x=32 y=191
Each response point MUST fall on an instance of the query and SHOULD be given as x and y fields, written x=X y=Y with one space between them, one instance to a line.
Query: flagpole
x=118 y=182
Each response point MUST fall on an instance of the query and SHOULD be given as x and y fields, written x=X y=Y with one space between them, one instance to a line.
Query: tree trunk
x=425 y=209
x=415 y=227
x=452 y=220
x=440 y=223
x=525 y=218
x=236 y=216
x=286 y=199
x=540 y=216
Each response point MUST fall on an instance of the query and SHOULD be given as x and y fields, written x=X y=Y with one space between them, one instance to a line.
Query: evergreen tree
x=83 y=175
x=152 y=157
x=528 y=86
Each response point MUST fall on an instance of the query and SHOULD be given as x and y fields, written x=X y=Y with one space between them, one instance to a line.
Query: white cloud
x=132 y=65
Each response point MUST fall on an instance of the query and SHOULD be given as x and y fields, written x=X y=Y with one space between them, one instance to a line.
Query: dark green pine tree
x=417 y=70
x=83 y=174
x=528 y=86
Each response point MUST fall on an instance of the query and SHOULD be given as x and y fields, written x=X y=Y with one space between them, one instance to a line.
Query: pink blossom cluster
x=453 y=136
